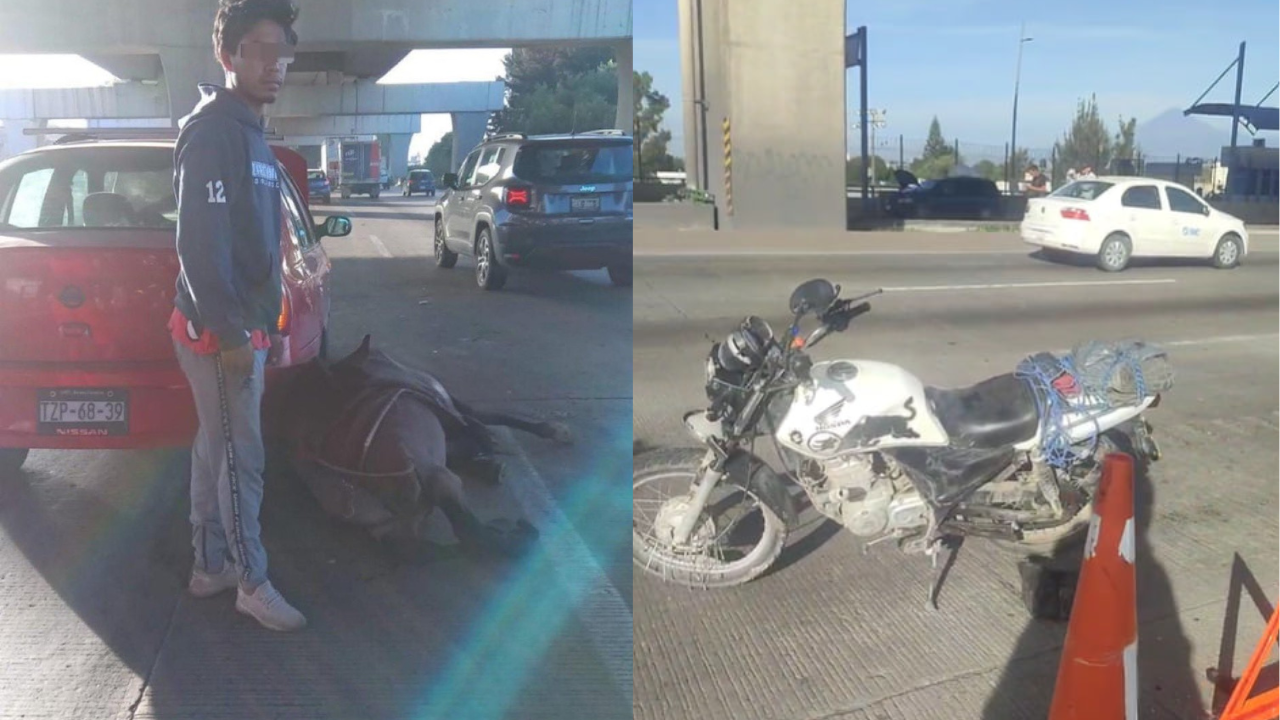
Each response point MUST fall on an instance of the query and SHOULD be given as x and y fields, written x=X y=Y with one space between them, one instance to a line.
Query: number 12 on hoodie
x=216 y=193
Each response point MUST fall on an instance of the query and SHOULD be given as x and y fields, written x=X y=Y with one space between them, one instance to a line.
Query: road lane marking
x=602 y=612
x=814 y=253
x=380 y=247
x=1222 y=339
x=1015 y=286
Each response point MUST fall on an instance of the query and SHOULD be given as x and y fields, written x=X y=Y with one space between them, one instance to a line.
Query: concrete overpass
x=349 y=106
x=162 y=49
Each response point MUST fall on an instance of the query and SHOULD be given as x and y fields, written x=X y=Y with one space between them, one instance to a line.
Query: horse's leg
x=415 y=431
x=502 y=536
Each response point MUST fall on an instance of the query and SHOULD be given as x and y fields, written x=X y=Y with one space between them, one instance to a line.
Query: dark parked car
x=953 y=198
x=420 y=181
x=561 y=202
x=318 y=186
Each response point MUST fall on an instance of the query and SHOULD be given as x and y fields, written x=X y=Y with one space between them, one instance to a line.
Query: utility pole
x=1010 y=172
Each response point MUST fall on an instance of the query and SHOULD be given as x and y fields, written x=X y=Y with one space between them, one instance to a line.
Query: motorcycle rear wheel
x=699 y=571
x=1067 y=535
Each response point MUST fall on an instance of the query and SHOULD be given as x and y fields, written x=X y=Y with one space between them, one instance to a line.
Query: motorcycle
x=1016 y=458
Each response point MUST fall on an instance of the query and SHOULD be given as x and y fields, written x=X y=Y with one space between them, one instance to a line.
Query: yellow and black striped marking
x=728 y=169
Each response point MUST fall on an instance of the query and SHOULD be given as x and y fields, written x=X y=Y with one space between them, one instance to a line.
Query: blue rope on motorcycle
x=1097 y=373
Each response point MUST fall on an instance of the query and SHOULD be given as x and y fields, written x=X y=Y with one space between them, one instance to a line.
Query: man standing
x=1037 y=183
x=229 y=299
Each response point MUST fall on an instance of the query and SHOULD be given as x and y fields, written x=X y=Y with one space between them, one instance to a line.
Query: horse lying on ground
x=382 y=445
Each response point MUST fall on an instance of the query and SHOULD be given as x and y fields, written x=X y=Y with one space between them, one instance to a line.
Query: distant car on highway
x=422 y=181
x=559 y=202
x=318 y=185
x=88 y=272
x=1115 y=219
x=952 y=198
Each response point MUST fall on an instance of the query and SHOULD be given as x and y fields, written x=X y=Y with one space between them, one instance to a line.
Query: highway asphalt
x=835 y=633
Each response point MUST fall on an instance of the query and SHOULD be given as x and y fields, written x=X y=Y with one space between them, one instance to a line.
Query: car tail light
x=518 y=198
x=1075 y=214
x=286 y=313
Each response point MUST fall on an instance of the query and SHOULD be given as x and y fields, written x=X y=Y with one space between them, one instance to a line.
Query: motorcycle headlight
x=711 y=368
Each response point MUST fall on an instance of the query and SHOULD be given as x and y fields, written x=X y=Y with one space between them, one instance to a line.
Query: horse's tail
x=543 y=429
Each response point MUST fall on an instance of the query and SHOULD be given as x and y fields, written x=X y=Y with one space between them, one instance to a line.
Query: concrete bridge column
x=398 y=156
x=468 y=131
x=184 y=69
x=626 y=87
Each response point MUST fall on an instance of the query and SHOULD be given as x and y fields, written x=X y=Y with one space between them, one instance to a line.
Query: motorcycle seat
x=994 y=413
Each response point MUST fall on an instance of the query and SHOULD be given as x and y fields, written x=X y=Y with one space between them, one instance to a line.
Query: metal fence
x=897 y=152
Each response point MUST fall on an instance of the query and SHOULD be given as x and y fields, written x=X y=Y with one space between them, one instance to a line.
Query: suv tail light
x=518 y=198
x=1075 y=214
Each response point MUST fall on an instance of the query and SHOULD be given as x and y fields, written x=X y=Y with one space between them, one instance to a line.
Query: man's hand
x=238 y=362
x=276 y=352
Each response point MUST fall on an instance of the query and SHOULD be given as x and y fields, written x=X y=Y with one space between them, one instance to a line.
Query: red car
x=88 y=268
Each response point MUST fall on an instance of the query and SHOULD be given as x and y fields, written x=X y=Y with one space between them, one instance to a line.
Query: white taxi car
x=1116 y=219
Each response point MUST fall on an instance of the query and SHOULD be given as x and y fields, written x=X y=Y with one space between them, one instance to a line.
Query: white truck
x=353 y=164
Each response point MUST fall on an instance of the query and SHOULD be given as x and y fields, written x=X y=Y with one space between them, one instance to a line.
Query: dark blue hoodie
x=228 y=189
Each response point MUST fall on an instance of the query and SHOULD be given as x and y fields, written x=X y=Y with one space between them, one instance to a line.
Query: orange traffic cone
x=1098 y=675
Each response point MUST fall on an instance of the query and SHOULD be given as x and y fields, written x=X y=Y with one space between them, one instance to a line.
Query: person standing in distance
x=228 y=300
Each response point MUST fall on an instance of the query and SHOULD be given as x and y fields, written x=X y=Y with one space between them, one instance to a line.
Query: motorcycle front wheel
x=716 y=554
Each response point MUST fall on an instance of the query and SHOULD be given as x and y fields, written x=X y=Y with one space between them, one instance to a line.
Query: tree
x=939 y=156
x=926 y=168
x=853 y=170
x=1086 y=142
x=989 y=170
x=936 y=146
x=650 y=147
x=1126 y=141
x=440 y=157
x=551 y=90
x=1018 y=162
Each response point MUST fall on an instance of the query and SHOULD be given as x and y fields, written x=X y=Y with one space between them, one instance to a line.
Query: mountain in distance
x=1171 y=133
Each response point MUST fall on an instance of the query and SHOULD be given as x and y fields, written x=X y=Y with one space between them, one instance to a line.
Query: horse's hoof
x=513 y=538
x=561 y=433
x=408 y=551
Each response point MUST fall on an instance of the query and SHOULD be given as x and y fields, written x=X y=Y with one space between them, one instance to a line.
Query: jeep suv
x=559 y=202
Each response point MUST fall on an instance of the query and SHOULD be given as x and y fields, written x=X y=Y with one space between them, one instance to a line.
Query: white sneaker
x=270 y=609
x=205 y=584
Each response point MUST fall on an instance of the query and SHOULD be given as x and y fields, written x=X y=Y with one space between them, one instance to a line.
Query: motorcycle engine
x=863 y=495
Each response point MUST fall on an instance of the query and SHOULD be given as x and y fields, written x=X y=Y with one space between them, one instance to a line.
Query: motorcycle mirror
x=813 y=296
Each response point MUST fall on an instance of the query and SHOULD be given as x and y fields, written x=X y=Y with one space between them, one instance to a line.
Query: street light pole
x=1010 y=172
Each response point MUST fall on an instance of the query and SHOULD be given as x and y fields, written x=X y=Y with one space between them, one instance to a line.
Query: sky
x=419 y=66
x=956 y=59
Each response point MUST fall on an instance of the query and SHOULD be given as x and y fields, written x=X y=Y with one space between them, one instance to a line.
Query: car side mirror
x=1205 y=209
x=451 y=181
x=334 y=226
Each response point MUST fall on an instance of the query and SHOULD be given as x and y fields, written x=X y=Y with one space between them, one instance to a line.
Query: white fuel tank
x=858 y=405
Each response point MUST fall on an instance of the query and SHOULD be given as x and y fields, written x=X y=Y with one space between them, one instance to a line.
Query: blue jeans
x=227 y=461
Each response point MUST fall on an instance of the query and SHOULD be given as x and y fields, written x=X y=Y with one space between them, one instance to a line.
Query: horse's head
x=298 y=397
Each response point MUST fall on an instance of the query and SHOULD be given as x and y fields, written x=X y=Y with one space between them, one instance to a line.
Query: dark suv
x=560 y=202
x=951 y=198
x=420 y=181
